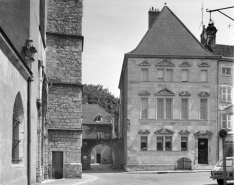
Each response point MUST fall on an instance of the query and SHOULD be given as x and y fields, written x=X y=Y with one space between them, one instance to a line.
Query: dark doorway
x=57 y=165
x=98 y=159
x=202 y=151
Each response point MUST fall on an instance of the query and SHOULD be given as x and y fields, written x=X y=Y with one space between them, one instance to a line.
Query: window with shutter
x=203 y=109
x=160 y=108
x=169 y=75
x=184 y=75
x=144 y=108
x=160 y=74
x=184 y=109
x=144 y=74
x=203 y=75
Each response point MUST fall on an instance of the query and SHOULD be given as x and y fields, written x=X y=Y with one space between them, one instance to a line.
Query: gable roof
x=224 y=50
x=90 y=111
x=169 y=36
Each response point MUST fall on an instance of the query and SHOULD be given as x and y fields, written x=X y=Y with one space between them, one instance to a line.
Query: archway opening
x=101 y=157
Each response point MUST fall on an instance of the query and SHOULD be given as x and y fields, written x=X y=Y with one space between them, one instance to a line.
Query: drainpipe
x=217 y=126
x=29 y=131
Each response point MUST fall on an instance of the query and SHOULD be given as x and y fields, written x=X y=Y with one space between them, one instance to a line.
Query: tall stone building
x=64 y=50
x=168 y=99
x=22 y=56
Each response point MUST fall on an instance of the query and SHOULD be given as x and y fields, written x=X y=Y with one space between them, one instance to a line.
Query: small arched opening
x=184 y=163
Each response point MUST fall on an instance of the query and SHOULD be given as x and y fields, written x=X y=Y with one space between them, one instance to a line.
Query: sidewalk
x=85 y=178
x=169 y=171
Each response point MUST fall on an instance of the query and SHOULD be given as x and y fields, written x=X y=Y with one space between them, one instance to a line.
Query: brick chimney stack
x=153 y=13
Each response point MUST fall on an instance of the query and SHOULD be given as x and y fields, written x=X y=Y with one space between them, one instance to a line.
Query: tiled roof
x=224 y=50
x=90 y=111
x=169 y=36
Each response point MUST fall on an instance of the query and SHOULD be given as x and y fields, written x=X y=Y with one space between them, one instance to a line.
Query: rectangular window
x=226 y=94
x=203 y=109
x=144 y=74
x=168 y=108
x=227 y=121
x=184 y=141
x=226 y=71
x=168 y=142
x=99 y=135
x=204 y=76
x=184 y=109
x=184 y=77
x=144 y=142
x=144 y=108
x=229 y=148
x=159 y=143
x=169 y=75
x=160 y=74
x=160 y=108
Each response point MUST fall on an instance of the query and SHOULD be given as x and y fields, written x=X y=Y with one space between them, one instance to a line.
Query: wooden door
x=57 y=165
x=202 y=151
x=98 y=158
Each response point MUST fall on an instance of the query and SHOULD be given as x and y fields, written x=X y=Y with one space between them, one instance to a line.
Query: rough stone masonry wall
x=65 y=16
x=64 y=59
x=70 y=143
x=64 y=107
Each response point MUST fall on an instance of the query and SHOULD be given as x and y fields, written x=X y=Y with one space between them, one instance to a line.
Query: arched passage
x=116 y=146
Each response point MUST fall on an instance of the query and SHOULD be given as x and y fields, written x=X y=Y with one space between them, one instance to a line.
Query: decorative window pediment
x=204 y=64
x=203 y=94
x=185 y=64
x=143 y=131
x=144 y=63
x=144 y=93
x=203 y=133
x=184 y=132
x=165 y=63
x=164 y=131
x=164 y=92
x=185 y=93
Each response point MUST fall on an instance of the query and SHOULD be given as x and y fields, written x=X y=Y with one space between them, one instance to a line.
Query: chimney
x=153 y=13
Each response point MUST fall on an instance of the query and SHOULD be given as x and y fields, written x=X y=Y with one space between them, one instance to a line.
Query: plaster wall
x=11 y=82
x=91 y=131
x=157 y=159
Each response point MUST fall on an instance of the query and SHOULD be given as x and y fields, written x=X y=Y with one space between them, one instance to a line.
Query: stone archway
x=115 y=144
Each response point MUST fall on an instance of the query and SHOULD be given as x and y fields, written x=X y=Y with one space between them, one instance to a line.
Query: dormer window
x=98 y=118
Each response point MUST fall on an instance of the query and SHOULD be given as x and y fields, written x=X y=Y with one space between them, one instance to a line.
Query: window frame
x=164 y=137
x=164 y=75
x=228 y=122
x=142 y=74
x=206 y=75
x=15 y=158
x=206 y=109
x=146 y=143
x=187 y=75
x=224 y=73
x=187 y=108
x=186 y=149
x=142 y=108
x=225 y=95
x=163 y=109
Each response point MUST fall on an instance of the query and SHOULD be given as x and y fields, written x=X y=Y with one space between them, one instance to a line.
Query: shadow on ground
x=102 y=168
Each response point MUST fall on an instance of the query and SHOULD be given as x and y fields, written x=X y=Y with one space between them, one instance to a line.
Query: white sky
x=112 y=28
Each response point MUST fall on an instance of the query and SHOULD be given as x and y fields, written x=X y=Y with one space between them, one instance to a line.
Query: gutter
x=29 y=131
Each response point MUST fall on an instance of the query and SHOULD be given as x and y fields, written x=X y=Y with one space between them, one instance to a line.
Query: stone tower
x=64 y=50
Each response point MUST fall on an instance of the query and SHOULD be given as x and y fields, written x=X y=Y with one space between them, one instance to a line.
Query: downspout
x=217 y=125
x=29 y=131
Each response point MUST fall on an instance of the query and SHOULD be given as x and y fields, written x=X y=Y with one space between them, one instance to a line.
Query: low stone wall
x=156 y=167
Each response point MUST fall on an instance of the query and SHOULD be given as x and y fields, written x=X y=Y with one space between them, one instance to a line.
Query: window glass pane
x=229 y=89
x=169 y=75
x=184 y=143
x=160 y=143
x=168 y=141
x=168 y=108
x=160 y=108
x=184 y=75
x=144 y=74
x=203 y=109
x=160 y=74
x=203 y=75
x=144 y=143
x=144 y=108
x=224 y=93
x=184 y=112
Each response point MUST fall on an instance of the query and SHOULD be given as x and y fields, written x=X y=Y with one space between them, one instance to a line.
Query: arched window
x=17 y=130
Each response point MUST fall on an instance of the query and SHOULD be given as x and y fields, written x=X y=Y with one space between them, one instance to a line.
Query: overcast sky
x=112 y=28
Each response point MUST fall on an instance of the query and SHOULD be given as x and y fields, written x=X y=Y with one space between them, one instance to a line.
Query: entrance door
x=57 y=165
x=202 y=151
x=98 y=159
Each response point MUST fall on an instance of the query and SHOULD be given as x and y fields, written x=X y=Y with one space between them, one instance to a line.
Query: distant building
x=97 y=123
x=225 y=89
x=168 y=99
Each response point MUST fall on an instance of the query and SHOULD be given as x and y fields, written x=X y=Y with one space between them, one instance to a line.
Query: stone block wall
x=64 y=59
x=68 y=141
x=64 y=106
x=65 y=16
x=90 y=131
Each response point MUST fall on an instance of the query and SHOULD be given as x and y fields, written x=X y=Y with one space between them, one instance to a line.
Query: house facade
x=168 y=99
x=97 y=123
x=22 y=60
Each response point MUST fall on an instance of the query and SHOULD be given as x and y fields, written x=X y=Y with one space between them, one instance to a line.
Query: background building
x=168 y=95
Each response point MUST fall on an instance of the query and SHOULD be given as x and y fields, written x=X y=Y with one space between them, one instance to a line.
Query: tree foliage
x=97 y=94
